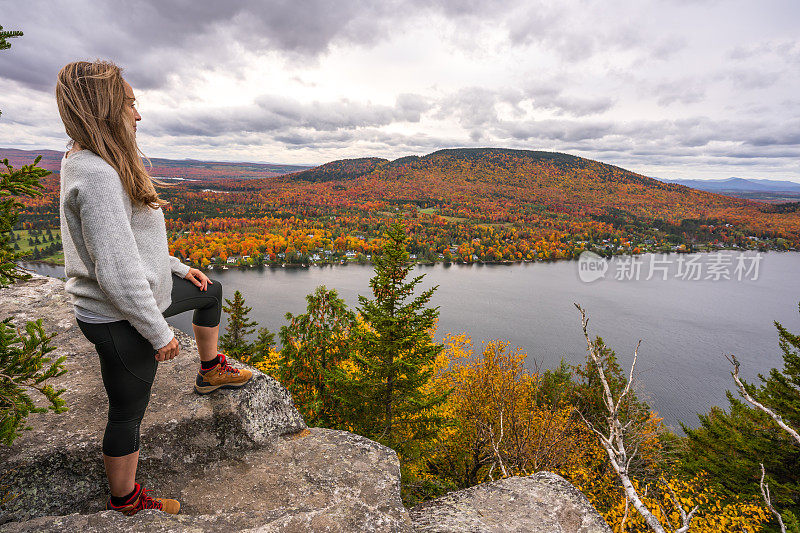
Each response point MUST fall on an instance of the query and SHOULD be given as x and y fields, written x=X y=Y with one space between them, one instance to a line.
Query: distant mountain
x=740 y=185
x=546 y=200
x=469 y=160
x=187 y=169
x=499 y=185
x=500 y=174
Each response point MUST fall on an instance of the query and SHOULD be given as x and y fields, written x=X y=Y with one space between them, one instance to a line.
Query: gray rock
x=236 y=459
x=540 y=503
x=315 y=480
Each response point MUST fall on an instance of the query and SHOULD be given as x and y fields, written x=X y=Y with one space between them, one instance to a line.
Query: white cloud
x=673 y=89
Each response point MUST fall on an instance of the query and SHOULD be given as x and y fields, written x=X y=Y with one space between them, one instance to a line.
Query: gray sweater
x=116 y=255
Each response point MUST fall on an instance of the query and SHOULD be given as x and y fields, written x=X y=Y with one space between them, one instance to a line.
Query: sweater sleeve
x=177 y=267
x=110 y=242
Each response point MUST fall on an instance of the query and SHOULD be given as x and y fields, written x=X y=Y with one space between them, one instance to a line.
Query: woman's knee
x=121 y=438
x=210 y=314
x=215 y=288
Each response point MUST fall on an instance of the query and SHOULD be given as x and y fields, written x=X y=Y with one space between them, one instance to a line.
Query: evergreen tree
x=587 y=393
x=234 y=341
x=314 y=344
x=4 y=44
x=730 y=445
x=261 y=347
x=25 y=364
x=384 y=397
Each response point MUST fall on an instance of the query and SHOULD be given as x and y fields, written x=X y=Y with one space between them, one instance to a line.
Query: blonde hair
x=92 y=104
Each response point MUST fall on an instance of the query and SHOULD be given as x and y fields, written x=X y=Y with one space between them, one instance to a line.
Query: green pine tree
x=234 y=341
x=394 y=359
x=4 y=35
x=587 y=391
x=23 y=356
x=730 y=445
x=14 y=183
x=25 y=365
x=314 y=344
x=4 y=44
x=261 y=347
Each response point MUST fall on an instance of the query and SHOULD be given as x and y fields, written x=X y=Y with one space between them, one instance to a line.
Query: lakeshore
x=686 y=325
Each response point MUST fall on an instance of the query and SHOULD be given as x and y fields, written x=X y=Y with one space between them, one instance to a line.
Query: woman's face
x=130 y=105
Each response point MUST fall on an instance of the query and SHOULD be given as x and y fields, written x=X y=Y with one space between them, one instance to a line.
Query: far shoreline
x=332 y=264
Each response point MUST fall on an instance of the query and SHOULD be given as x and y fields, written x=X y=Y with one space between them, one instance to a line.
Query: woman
x=121 y=278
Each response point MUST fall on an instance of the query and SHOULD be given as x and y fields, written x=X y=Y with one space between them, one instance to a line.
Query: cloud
x=273 y=113
x=158 y=40
x=645 y=84
x=479 y=107
x=750 y=78
x=784 y=49
x=682 y=91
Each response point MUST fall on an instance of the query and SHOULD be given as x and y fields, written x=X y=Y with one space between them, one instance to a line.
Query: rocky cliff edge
x=240 y=460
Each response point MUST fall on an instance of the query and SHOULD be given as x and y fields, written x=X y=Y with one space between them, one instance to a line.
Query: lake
x=687 y=322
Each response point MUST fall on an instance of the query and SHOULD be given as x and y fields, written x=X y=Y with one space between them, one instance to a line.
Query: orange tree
x=314 y=343
x=505 y=420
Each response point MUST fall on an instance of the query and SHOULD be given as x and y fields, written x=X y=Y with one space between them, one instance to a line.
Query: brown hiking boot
x=141 y=500
x=221 y=376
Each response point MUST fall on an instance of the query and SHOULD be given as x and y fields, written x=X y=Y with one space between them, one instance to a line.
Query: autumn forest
x=457 y=415
x=461 y=205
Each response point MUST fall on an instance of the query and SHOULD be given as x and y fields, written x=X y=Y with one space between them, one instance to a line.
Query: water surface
x=686 y=325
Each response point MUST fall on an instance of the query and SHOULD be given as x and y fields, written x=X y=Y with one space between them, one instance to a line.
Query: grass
x=57 y=258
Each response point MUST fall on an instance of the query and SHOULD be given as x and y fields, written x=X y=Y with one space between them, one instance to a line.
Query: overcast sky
x=671 y=89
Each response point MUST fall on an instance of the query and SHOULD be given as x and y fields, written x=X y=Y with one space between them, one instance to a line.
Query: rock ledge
x=240 y=460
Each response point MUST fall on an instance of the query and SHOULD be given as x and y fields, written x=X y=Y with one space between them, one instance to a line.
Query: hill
x=517 y=186
x=187 y=169
x=510 y=179
x=460 y=205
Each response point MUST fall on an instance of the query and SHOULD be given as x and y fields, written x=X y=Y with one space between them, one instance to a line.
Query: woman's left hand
x=198 y=278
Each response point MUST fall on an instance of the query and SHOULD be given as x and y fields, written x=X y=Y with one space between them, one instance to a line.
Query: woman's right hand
x=169 y=351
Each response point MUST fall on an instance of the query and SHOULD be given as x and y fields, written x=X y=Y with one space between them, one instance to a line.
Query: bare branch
x=624 y=516
x=755 y=403
x=685 y=518
x=614 y=441
x=768 y=500
x=630 y=377
x=496 y=445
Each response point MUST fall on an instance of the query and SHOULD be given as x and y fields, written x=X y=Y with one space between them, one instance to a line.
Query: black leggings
x=128 y=363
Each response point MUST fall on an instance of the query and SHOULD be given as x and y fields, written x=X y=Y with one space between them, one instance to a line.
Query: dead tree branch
x=613 y=439
x=768 y=500
x=755 y=403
